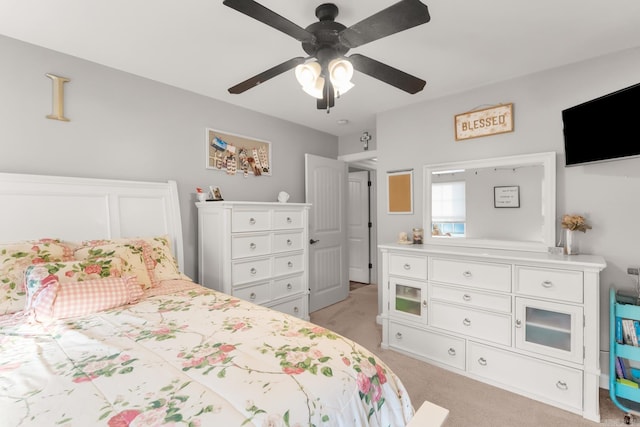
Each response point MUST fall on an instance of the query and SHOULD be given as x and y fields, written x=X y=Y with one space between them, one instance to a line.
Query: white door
x=326 y=190
x=358 y=226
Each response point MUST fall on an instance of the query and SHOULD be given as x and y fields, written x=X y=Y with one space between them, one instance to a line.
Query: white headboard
x=76 y=209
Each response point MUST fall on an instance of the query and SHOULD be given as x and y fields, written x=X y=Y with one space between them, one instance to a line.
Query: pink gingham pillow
x=69 y=271
x=14 y=260
x=57 y=300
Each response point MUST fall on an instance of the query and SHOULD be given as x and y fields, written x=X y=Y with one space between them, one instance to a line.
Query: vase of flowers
x=202 y=196
x=572 y=224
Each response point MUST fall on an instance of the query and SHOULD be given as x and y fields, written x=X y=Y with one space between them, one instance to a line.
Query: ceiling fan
x=327 y=41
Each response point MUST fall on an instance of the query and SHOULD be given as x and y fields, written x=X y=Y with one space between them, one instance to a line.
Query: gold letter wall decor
x=58 y=97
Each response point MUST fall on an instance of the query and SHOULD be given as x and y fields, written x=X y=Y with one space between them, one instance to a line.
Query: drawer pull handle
x=290 y=264
x=424 y=303
x=466 y=297
x=252 y=246
x=253 y=295
x=288 y=220
x=518 y=323
x=451 y=351
x=253 y=271
x=289 y=286
x=482 y=361
x=547 y=284
x=252 y=221
x=407 y=266
x=289 y=242
x=466 y=322
x=296 y=310
x=398 y=335
x=467 y=274
x=562 y=385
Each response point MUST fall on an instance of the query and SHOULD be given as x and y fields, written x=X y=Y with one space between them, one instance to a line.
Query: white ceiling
x=206 y=47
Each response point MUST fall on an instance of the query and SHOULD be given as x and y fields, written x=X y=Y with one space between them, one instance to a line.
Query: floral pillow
x=69 y=271
x=14 y=260
x=134 y=254
x=55 y=300
x=159 y=258
x=166 y=265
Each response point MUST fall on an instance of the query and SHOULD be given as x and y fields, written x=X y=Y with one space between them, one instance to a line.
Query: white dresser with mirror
x=491 y=302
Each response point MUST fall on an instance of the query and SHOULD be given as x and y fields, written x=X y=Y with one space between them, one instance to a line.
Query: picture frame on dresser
x=215 y=193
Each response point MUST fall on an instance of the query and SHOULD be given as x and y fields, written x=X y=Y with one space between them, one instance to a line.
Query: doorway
x=362 y=212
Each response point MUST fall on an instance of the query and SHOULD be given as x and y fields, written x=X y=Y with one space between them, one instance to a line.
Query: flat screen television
x=603 y=129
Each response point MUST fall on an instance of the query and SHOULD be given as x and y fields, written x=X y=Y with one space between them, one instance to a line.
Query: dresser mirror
x=502 y=203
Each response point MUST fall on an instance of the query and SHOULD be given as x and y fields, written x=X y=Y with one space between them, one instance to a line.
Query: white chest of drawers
x=524 y=321
x=256 y=251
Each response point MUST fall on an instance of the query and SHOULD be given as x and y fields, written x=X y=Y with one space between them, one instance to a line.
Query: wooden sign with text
x=489 y=121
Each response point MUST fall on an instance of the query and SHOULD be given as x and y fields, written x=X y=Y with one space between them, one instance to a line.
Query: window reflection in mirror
x=448 y=207
x=460 y=207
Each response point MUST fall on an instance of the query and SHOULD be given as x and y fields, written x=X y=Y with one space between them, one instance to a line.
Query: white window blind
x=448 y=202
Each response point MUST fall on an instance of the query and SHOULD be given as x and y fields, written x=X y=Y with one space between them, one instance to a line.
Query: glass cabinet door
x=549 y=328
x=408 y=299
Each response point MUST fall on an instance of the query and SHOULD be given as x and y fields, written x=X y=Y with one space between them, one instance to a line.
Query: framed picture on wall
x=400 y=192
x=231 y=153
x=506 y=196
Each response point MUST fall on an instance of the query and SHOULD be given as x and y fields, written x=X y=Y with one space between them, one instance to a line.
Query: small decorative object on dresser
x=571 y=224
x=418 y=235
x=256 y=251
x=283 y=197
x=201 y=195
x=215 y=193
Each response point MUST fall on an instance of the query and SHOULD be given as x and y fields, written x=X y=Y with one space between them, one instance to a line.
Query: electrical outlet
x=633 y=271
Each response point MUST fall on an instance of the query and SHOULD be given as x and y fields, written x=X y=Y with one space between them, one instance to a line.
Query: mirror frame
x=547 y=160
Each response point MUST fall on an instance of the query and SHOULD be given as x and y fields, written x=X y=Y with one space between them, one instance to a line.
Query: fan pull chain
x=326 y=96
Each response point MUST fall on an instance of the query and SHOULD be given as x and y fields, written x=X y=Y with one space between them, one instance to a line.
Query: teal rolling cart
x=625 y=394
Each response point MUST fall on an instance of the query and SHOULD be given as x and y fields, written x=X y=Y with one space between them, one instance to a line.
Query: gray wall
x=606 y=193
x=126 y=127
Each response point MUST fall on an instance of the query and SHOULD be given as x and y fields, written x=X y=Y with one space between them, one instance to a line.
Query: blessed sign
x=488 y=121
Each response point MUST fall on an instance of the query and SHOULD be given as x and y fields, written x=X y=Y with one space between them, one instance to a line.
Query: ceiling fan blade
x=387 y=74
x=269 y=17
x=398 y=17
x=266 y=75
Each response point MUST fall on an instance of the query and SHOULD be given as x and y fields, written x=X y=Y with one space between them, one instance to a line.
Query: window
x=448 y=208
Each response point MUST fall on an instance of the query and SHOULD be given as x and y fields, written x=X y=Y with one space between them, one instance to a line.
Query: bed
x=99 y=326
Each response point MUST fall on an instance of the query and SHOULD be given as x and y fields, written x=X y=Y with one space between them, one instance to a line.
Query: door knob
x=312 y=241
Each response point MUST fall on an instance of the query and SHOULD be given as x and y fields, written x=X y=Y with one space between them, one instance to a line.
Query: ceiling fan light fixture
x=341 y=71
x=307 y=74
x=315 y=89
x=326 y=41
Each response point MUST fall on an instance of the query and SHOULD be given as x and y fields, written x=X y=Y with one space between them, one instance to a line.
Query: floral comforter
x=190 y=356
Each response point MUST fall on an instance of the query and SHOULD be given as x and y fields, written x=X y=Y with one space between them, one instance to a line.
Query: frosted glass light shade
x=316 y=88
x=341 y=72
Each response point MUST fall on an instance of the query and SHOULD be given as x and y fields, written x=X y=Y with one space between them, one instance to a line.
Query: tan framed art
x=400 y=192
x=485 y=122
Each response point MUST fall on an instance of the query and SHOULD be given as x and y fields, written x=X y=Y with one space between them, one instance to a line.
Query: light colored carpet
x=470 y=402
